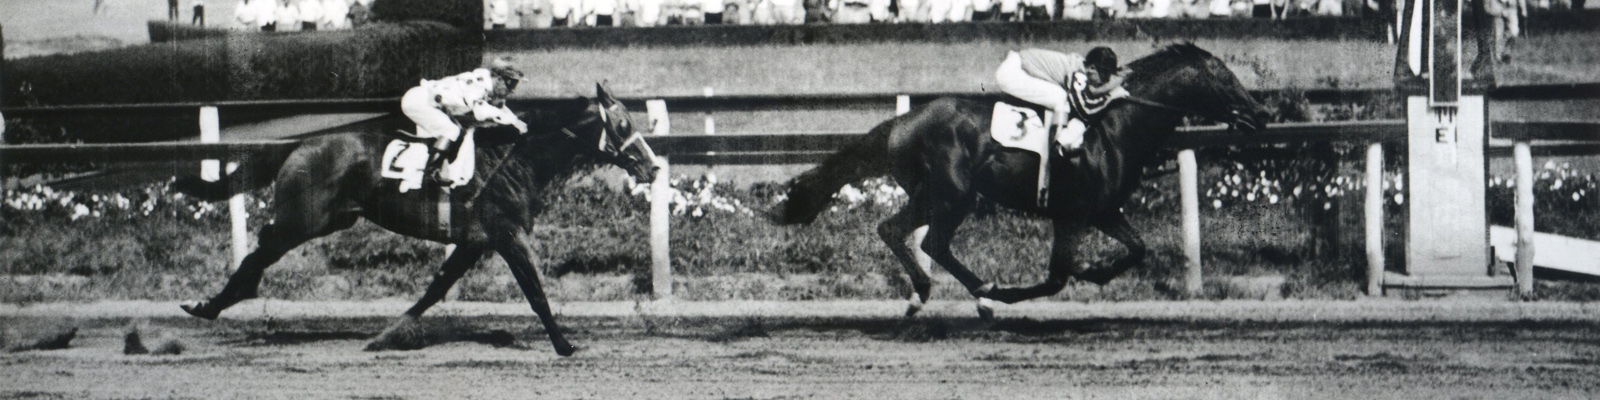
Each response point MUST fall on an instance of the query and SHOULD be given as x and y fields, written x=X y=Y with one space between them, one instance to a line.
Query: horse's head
x=1190 y=78
x=615 y=142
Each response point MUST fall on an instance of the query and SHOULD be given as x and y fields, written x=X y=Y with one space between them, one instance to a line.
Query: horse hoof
x=566 y=350
x=986 y=309
x=404 y=334
x=914 y=306
x=201 y=309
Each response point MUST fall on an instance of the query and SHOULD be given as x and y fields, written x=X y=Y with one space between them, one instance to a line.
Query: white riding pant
x=419 y=105
x=1016 y=82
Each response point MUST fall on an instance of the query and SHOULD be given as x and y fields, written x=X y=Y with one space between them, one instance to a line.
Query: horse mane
x=1167 y=58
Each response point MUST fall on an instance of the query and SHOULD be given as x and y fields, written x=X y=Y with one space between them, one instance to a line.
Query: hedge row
x=380 y=60
x=752 y=35
x=165 y=31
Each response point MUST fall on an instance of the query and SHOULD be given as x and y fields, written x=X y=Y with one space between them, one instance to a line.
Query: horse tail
x=811 y=192
x=250 y=176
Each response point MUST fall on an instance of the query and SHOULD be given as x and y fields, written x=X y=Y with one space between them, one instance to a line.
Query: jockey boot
x=434 y=170
x=1068 y=138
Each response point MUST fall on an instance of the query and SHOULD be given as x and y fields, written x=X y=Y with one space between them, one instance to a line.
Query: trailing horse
x=943 y=155
x=328 y=182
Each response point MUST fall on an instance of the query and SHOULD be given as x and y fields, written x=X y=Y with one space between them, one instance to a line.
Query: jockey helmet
x=1102 y=59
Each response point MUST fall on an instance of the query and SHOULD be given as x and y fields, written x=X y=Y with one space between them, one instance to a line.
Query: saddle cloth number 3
x=1019 y=127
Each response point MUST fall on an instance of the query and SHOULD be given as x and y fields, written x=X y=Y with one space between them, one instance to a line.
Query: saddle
x=406 y=157
x=1022 y=125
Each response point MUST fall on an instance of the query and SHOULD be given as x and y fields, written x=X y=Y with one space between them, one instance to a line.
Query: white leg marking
x=923 y=259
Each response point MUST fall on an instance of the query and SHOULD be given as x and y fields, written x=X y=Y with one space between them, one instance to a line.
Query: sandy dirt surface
x=1471 y=348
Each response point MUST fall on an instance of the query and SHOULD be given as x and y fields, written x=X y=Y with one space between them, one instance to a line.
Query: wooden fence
x=1575 y=138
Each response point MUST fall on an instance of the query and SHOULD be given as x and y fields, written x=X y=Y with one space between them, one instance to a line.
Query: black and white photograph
x=799 y=199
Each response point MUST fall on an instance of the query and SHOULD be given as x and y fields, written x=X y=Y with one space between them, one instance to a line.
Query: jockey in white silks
x=1071 y=85
x=474 y=98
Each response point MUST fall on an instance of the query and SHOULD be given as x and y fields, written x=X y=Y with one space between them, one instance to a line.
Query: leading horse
x=944 y=157
x=328 y=182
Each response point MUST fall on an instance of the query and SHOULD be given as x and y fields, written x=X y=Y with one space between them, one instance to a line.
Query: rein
x=1152 y=103
x=506 y=157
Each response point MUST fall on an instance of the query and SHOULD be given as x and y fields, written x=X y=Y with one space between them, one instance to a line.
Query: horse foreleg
x=405 y=333
x=454 y=267
x=917 y=264
x=513 y=249
x=1063 y=265
x=1114 y=224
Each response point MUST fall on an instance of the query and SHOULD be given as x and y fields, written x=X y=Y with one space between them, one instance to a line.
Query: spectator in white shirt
x=335 y=14
x=938 y=10
x=1110 y=9
x=712 y=9
x=499 y=13
x=1221 y=8
x=531 y=14
x=599 y=12
x=1158 y=9
x=310 y=12
x=982 y=10
x=288 y=15
x=1010 y=10
x=245 y=15
x=561 y=12
x=648 y=14
x=880 y=10
x=786 y=12
x=913 y=11
x=266 y=12
x=1077 y=10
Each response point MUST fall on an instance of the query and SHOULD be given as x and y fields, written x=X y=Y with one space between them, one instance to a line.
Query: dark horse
x=329 y=181
x=944 y=157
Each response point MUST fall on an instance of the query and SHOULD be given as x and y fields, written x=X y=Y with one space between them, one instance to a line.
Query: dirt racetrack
x=1472 y=348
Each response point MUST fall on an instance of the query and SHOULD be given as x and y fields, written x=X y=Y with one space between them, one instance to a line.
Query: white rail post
x=1524 y=215
x=1374 y=219
x=1188 y=177
x=902 y=105
x=660 y=207
x=711 y=124
x=211 y=170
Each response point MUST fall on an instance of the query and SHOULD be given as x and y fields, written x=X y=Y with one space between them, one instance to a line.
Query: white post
x=211 y=170
x=1374 y=219
x=660 y=221
x=210 y=132
x=1524 y=215
x=902 y=104
x=660 y=208
x=711 y=125
x=1189 y=181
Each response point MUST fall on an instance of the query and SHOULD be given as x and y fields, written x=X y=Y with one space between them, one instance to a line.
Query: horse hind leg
x=274 y=241
x=1063 y=265
x=1116 y=226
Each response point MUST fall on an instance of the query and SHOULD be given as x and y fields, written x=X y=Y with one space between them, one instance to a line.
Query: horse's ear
x=601 y=92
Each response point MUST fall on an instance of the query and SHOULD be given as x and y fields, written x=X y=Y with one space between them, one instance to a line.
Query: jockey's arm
x=489 y=114
x=1111 y=85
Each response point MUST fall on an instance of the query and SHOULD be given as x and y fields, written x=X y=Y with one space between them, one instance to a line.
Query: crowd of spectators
x=301 y=15
x=502 y=14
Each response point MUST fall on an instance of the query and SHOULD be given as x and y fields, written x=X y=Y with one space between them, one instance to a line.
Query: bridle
x=606 y=133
